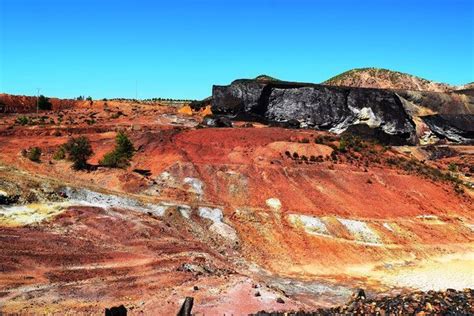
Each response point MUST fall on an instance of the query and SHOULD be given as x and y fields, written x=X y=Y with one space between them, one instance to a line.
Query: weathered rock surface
x=392 y=114
x=458 y=128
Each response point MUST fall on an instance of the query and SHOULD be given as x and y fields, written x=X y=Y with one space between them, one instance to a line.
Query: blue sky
x=180 y=48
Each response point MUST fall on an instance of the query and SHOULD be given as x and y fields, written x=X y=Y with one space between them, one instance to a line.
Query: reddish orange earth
x=229 y=216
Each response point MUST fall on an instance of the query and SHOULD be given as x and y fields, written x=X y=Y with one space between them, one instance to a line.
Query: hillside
x=385 y=79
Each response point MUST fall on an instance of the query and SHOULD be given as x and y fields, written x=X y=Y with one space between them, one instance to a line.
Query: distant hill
x=386 y=79
x=266 y=78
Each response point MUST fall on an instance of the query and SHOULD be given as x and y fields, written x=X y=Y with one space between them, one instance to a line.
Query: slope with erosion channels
x=223 y=213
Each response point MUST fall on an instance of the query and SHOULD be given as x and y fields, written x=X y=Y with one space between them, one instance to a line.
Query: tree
x=43 y=103
x=34 y=154
x=79 y=151
x=121 y=155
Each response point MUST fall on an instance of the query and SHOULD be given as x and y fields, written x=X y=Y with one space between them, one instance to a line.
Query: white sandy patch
x=311 y=224
x=361 y=231
x=273 y=203
x=452 y=271
x=218 y=226
x=195 y=184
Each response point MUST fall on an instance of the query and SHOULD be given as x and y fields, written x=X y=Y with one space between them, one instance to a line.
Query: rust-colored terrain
x=242 y=219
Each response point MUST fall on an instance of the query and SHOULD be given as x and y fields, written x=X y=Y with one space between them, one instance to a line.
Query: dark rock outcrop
x=116 y=311
x=314 y=106
x=457 y=128
x=391 y=115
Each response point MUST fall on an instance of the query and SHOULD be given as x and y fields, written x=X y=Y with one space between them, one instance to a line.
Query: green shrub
x=60 y=153
x=452 y=167
x=34 y=154
x=121 y=155
x=342 y=145
x=22 y=120
x=79 y=150
x=43 y=103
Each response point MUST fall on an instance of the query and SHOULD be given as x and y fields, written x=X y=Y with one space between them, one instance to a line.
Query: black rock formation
x=314 y=106
x=457 y=127
x=389 y=113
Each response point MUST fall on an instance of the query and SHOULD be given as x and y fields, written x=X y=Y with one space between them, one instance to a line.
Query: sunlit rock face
x=315 y=106
x=391 y=115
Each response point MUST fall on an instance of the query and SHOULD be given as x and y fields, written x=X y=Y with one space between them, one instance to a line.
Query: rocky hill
x=385 y=79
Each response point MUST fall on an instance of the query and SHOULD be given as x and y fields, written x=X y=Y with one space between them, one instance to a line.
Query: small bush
x=342 y=145
x=452 y=167
x=79 y=150
x=122 y=154
x=43 y=103
x=60 y=153
x=34 y=154
x=22 y=120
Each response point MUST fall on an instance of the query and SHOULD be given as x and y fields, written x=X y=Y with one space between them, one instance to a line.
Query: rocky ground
x=449 y=302
x=281 y=219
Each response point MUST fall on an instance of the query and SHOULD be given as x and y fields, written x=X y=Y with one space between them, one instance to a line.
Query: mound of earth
x=385 y=79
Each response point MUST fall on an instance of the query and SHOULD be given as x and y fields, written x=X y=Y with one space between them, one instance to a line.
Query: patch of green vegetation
x=121 y=155
x=44 y=104
x=22 y=120
x=34 y=154
x=60 y=153
x=79 y=150
x=453 y=167
x=266 y=78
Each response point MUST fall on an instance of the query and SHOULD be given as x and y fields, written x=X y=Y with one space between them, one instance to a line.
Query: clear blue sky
x=179 y=48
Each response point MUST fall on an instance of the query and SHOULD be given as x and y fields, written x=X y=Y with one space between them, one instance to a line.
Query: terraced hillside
x=283 y=219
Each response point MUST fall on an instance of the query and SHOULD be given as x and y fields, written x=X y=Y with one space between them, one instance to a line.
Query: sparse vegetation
x=43 y=103
x=79 y=150
x=33 y=154
x=22 y=120
x=60 y=153
x=121 y=155
x=452 y=167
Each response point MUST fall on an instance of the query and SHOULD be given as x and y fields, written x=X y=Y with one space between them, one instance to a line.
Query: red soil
x=89 y=258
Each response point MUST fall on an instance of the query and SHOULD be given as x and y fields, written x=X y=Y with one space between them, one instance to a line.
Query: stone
x=116 y=311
